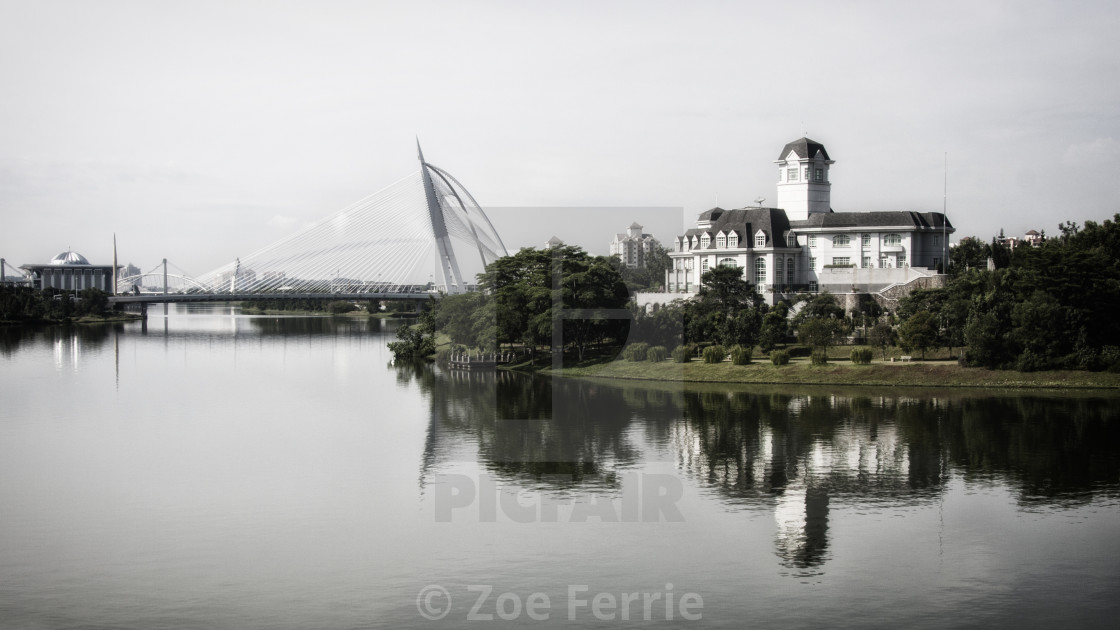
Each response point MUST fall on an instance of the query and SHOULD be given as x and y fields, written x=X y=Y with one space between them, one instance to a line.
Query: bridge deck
x=158 y=298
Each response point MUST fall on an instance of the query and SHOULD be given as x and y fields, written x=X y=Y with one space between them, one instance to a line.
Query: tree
x=590 y=284
x=775 y=327
x=970 y=253
x=744 y=329
x=984 y=339
x=660 y=325
x=919 y=332
x=882 y=336
x=1033 y=325
x=821 y=305
x=525 y=287
x=725 y=287
x=820 y=333
x=416 y=341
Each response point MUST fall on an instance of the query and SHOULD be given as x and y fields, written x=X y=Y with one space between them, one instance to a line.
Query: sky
x=200 y=131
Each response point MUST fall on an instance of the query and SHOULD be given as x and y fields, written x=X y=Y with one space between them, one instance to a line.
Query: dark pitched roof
x=804 y=148
x=745 y=221
x=711 y=215
x=902 y=219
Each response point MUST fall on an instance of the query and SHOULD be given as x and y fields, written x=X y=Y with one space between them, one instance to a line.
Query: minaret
x=803 y=185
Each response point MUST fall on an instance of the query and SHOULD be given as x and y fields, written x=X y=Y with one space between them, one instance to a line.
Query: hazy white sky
x=201 y=131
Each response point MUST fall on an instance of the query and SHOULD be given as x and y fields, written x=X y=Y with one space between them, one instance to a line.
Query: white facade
x=807 y=246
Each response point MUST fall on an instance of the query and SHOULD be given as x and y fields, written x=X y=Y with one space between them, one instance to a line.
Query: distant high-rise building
x=632 y=247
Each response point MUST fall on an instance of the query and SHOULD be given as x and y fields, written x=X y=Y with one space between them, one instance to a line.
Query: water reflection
x=796 y=456
x=529 y=429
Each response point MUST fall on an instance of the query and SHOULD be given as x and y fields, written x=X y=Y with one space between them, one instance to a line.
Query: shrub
x=636 y=351
x=338 y=307
x=740 y=355
x=819 y=357
x=1110 y=358
x=714 y=354
x=799 y=351
x=657 y=354
x=682 y=354
x=779 y=357
x=862 y=356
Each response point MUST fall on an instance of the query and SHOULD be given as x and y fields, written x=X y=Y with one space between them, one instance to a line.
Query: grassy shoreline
x=117 y=318
x=942 y=373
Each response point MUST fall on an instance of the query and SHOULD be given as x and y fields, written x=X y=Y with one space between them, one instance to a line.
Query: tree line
x=26 y=305
x=1044 y=307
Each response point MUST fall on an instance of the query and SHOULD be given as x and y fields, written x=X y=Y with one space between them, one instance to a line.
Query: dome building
x=70 y=271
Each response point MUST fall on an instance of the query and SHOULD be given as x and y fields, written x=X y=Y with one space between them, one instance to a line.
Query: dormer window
x=760 y=239
x=732 y=240
x=705 y=241
x=721 y=241
x=791 y=240
x=820 y=175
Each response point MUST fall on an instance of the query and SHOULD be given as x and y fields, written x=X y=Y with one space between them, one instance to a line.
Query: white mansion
x=803 y=245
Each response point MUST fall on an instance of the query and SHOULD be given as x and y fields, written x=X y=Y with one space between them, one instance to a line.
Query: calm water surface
x=214 y=470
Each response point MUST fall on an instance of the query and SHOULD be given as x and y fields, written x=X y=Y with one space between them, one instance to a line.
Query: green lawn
x=929 y=373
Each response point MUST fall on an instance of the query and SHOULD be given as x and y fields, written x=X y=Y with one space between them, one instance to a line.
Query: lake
x=217 y=470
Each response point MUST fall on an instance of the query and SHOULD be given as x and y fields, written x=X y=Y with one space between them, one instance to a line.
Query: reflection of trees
x=316 y=325
x=526 y=426
x=1050 y=450
x=89 y=336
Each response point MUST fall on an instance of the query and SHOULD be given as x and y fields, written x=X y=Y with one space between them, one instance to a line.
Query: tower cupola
x=803 y=181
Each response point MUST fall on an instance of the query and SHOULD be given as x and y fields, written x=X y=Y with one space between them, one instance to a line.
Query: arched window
x=892 y=239
x=760 y=271
x=728 y=262
x=778 y=270
x=841 y=240
x=703 y=265
x=789 y=272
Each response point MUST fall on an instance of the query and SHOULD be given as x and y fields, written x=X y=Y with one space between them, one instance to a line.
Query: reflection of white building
x=805 y=245
x=632 y=247
x=70 y=271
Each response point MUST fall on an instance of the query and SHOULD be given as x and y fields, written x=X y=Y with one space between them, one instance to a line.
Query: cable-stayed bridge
x=381 y=247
